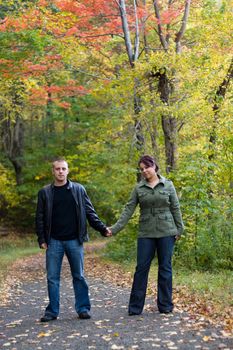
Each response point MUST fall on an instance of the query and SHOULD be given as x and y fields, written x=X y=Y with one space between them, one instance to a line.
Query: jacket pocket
x=142 y=194
x=165 y=193
x=164 y=216
x=165 y=223
x=142 y=198
x=164 y=198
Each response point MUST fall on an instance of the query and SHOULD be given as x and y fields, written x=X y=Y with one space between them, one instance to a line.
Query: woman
x=160 y=225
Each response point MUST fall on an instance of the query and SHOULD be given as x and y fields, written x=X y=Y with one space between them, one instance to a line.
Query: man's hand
x=44 y=246
x=108 y=232
x=177 y=237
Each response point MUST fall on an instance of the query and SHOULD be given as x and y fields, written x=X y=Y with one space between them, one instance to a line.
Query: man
x=62 y=210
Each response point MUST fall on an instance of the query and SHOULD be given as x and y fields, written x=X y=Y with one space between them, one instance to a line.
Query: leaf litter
x=197 y=313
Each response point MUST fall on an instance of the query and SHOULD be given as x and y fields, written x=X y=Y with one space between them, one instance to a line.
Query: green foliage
x=208 y=241
x=27 y=43
x=97 y=133
x=9 y=197
x=12 y=6
x=124 y=246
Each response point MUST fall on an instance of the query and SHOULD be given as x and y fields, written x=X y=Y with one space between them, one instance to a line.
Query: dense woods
x=103 y=82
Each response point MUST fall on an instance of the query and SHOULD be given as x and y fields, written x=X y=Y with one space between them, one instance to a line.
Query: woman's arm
x=127 y=213
x=175 y=210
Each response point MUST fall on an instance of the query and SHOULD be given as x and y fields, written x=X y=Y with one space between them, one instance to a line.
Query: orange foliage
x=92 y=22
x=43 y=94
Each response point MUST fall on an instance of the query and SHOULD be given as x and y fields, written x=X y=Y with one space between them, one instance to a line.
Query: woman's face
x=148 y=172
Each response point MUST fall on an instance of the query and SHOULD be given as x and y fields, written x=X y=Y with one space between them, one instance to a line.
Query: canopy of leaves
x=65 y=72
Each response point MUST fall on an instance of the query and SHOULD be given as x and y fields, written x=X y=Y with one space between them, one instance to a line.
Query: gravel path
x=109 y=328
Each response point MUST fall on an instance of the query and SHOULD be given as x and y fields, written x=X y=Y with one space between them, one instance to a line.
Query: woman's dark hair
x=148 y=161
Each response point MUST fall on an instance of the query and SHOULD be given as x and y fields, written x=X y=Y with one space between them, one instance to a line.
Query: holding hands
x=108 y=232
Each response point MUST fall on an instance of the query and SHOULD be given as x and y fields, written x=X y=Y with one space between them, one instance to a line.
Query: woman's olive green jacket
x=160 y=214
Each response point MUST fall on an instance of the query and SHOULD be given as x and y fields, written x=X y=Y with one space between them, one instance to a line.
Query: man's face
x=60 y=171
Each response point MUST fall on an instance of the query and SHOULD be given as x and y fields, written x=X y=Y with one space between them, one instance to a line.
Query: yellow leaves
x=40 y=177
x=74 y=335
x=107 y=338
x=45 y=334
x=206 y=338
x=229 y=322
x=7 y=188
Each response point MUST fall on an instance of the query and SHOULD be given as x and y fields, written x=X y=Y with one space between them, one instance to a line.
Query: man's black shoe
x=165 y=311
x=47 y=318
x=133 y=313
x=84 y=315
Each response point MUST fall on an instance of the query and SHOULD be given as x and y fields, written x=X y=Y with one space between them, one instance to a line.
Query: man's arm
x=93 y=218
x=40 y=221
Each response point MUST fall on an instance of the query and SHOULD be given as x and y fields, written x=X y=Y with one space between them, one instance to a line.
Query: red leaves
x=42 y=3
x=54 y=93
x=72 y=31
x=90 y=18
x=91 y=22
x=38 y=97
x=169 y=16
x=74 y=7
x=36 y=68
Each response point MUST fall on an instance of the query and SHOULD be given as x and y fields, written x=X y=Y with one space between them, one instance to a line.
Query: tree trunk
x=13 y=140
x=218 y=99
x=139 y=138
x=12 y=128
x=133 y=52
x=169 y=123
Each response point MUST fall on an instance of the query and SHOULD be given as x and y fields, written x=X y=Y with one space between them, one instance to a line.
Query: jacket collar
x=143 y=182
x=69 y=185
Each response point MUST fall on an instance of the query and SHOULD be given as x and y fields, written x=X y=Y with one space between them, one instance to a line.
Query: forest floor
x=24 y=297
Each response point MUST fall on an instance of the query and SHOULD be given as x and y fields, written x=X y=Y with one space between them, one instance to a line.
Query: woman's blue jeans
x=146 y=251
x=54 y=256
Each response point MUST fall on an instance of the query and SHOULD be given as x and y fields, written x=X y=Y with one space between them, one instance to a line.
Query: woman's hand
x=44 y=246
x=108 y=232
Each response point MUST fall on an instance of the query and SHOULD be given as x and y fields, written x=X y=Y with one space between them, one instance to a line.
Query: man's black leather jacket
x=84 y=208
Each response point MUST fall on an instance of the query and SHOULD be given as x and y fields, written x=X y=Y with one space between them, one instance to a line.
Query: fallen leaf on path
x=206 y=338
x=45 y=334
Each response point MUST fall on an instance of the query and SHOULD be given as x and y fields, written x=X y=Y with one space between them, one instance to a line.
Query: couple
x=63 y=209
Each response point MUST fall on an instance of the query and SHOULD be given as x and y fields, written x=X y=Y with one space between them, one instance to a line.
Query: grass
x=215 y=287
x=13 y=247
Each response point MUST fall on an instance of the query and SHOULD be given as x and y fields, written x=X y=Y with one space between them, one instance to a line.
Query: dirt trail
x=110 y=326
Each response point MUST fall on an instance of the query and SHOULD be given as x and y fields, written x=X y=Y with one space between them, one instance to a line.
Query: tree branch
x=125 y=27
x=136 y=41
x=160 y=31
x=180 y=34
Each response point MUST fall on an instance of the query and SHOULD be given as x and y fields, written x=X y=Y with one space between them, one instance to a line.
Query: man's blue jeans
x=54 y=256
x=146 y=251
